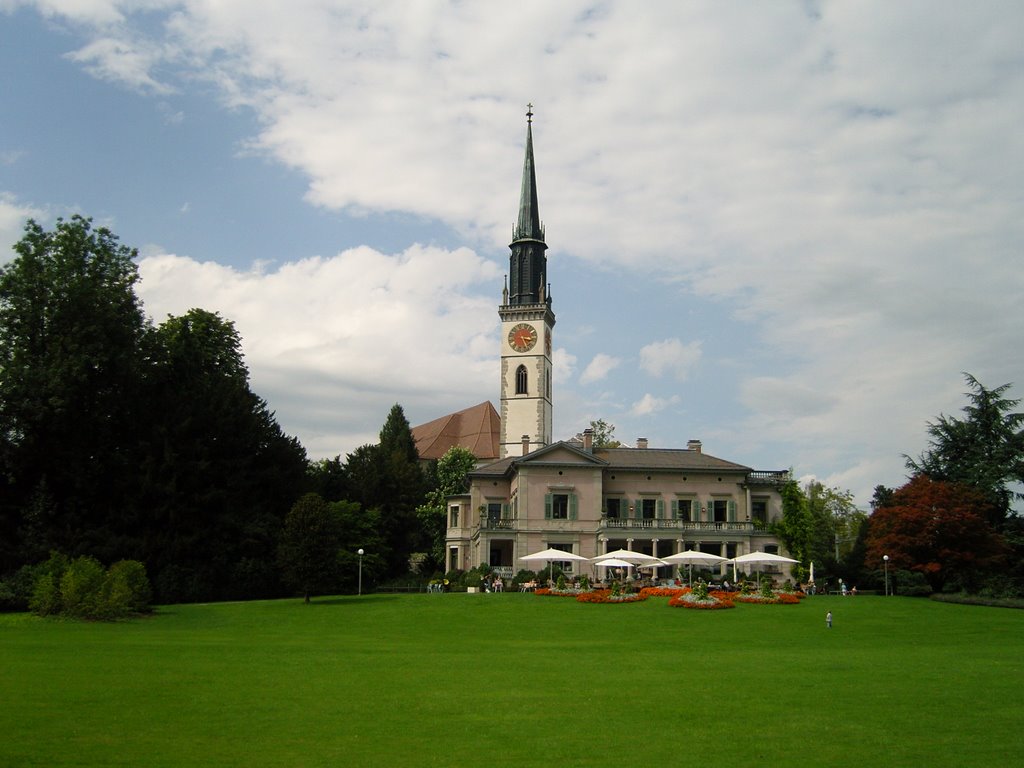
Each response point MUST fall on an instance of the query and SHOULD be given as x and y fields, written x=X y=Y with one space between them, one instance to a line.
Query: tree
x=218 y=473
x=70 y=327
x=401 y=491
x=452 y=474
x=794 y=529
x=936 y=528
x=603 y=435
x=310 y=543
x=984 y=450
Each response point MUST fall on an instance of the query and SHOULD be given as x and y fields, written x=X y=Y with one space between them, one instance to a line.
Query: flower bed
x=663 y=591
x=779 y=598
x=715 y=601
x=556 y=592
x=606 y=596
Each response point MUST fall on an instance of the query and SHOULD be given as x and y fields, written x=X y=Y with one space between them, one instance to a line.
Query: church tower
x=526 y=323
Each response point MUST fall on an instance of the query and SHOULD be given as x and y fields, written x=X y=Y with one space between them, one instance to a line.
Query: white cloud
x=13 y=214
x=649 y=404
x=332 y=343
x=842 y=181
x=599 y=368
x=670 y=356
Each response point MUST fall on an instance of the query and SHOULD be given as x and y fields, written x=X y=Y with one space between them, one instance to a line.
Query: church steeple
x=528 y=262
x=527 y=321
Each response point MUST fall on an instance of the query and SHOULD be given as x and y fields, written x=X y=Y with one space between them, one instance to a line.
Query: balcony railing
x=682 y=525
x=629 y=523
x=503 y=524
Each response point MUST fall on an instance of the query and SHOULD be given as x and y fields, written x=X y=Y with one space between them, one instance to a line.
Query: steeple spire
x=527 y=263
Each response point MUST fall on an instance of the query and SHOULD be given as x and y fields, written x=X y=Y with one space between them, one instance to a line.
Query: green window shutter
x=675 y=509
x=660 y=507
x=547 y=506
x=573 y=506
x=732 y=511
x=504 y=512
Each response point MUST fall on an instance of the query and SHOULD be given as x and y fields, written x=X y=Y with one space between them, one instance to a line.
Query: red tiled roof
x=476 y=429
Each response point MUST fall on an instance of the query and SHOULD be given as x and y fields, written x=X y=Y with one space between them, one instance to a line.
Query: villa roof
x=666 y=459
x=476 y=429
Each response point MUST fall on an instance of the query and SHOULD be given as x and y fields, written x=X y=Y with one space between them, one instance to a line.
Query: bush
x=45 y=599
x=82 y=589
x=16 y=590
x=128 y=577
x=912 y=584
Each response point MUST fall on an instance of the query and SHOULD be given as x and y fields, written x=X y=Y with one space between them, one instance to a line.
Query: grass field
x=517 y=680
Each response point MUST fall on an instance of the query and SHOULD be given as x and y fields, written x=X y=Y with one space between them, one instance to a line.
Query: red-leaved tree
x=937 y=528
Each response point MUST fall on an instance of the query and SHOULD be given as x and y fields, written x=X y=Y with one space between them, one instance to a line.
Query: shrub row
x=83 y=589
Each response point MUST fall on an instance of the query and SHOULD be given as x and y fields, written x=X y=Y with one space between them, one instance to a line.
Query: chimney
x=526 y=444
x=693 y=445
x=588 y=440
x=641 y=443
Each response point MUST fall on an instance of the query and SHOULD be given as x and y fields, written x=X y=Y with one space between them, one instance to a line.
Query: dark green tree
x=401 y=490
x=309 y=546
x=70 y=331
x=984 y=450
x=218 y=473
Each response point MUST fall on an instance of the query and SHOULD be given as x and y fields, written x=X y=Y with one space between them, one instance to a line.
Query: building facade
x=572 y=496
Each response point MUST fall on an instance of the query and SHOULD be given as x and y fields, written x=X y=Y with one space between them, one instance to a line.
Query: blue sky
x=784 y=229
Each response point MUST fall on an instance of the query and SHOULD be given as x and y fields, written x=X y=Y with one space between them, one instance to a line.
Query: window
x=548 y=383
x=453 y=515
x=453 y=558
x=613 y=508
x=683 y=509
x=647 y=507
x=493 y=511
x=759 y=510
x=719 y=510
x=560 y=506
x=521 y=380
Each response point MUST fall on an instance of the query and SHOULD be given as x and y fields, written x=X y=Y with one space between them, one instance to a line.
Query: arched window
x=521 y=380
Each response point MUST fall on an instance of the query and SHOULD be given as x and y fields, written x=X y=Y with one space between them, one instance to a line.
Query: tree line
x=950 y=528
x=126 y=439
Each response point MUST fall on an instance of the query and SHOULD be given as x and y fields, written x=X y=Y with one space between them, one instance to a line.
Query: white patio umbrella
x=633 y=558
x=552 y=555
x=691 y=556
x=760 y=558
x=613 y=562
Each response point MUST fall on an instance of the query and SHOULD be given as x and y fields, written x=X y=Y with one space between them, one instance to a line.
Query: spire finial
x=529 y=113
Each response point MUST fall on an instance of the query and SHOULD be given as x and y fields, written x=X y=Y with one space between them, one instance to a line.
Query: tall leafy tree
x=452 y=476
x=936 y=528
x=794 y=529
x=984 y=449
x=309 y=546
x=402 y=490
x=70 y=330
x=219 y=474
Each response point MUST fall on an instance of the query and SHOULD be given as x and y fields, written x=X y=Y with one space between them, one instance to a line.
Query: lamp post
x=360 y=553
x=885 y=562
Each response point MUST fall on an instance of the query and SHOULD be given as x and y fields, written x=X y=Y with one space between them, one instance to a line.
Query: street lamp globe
x=360 y=553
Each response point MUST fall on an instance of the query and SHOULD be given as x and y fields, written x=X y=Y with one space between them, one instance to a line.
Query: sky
x=785 y=229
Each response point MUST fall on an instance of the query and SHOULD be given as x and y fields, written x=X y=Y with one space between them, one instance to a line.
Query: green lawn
x=517 y=680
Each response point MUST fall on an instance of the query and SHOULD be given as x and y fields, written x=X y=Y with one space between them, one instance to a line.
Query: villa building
x=571 y=496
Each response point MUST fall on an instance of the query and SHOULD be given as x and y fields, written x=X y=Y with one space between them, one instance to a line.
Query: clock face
x=522 y=337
